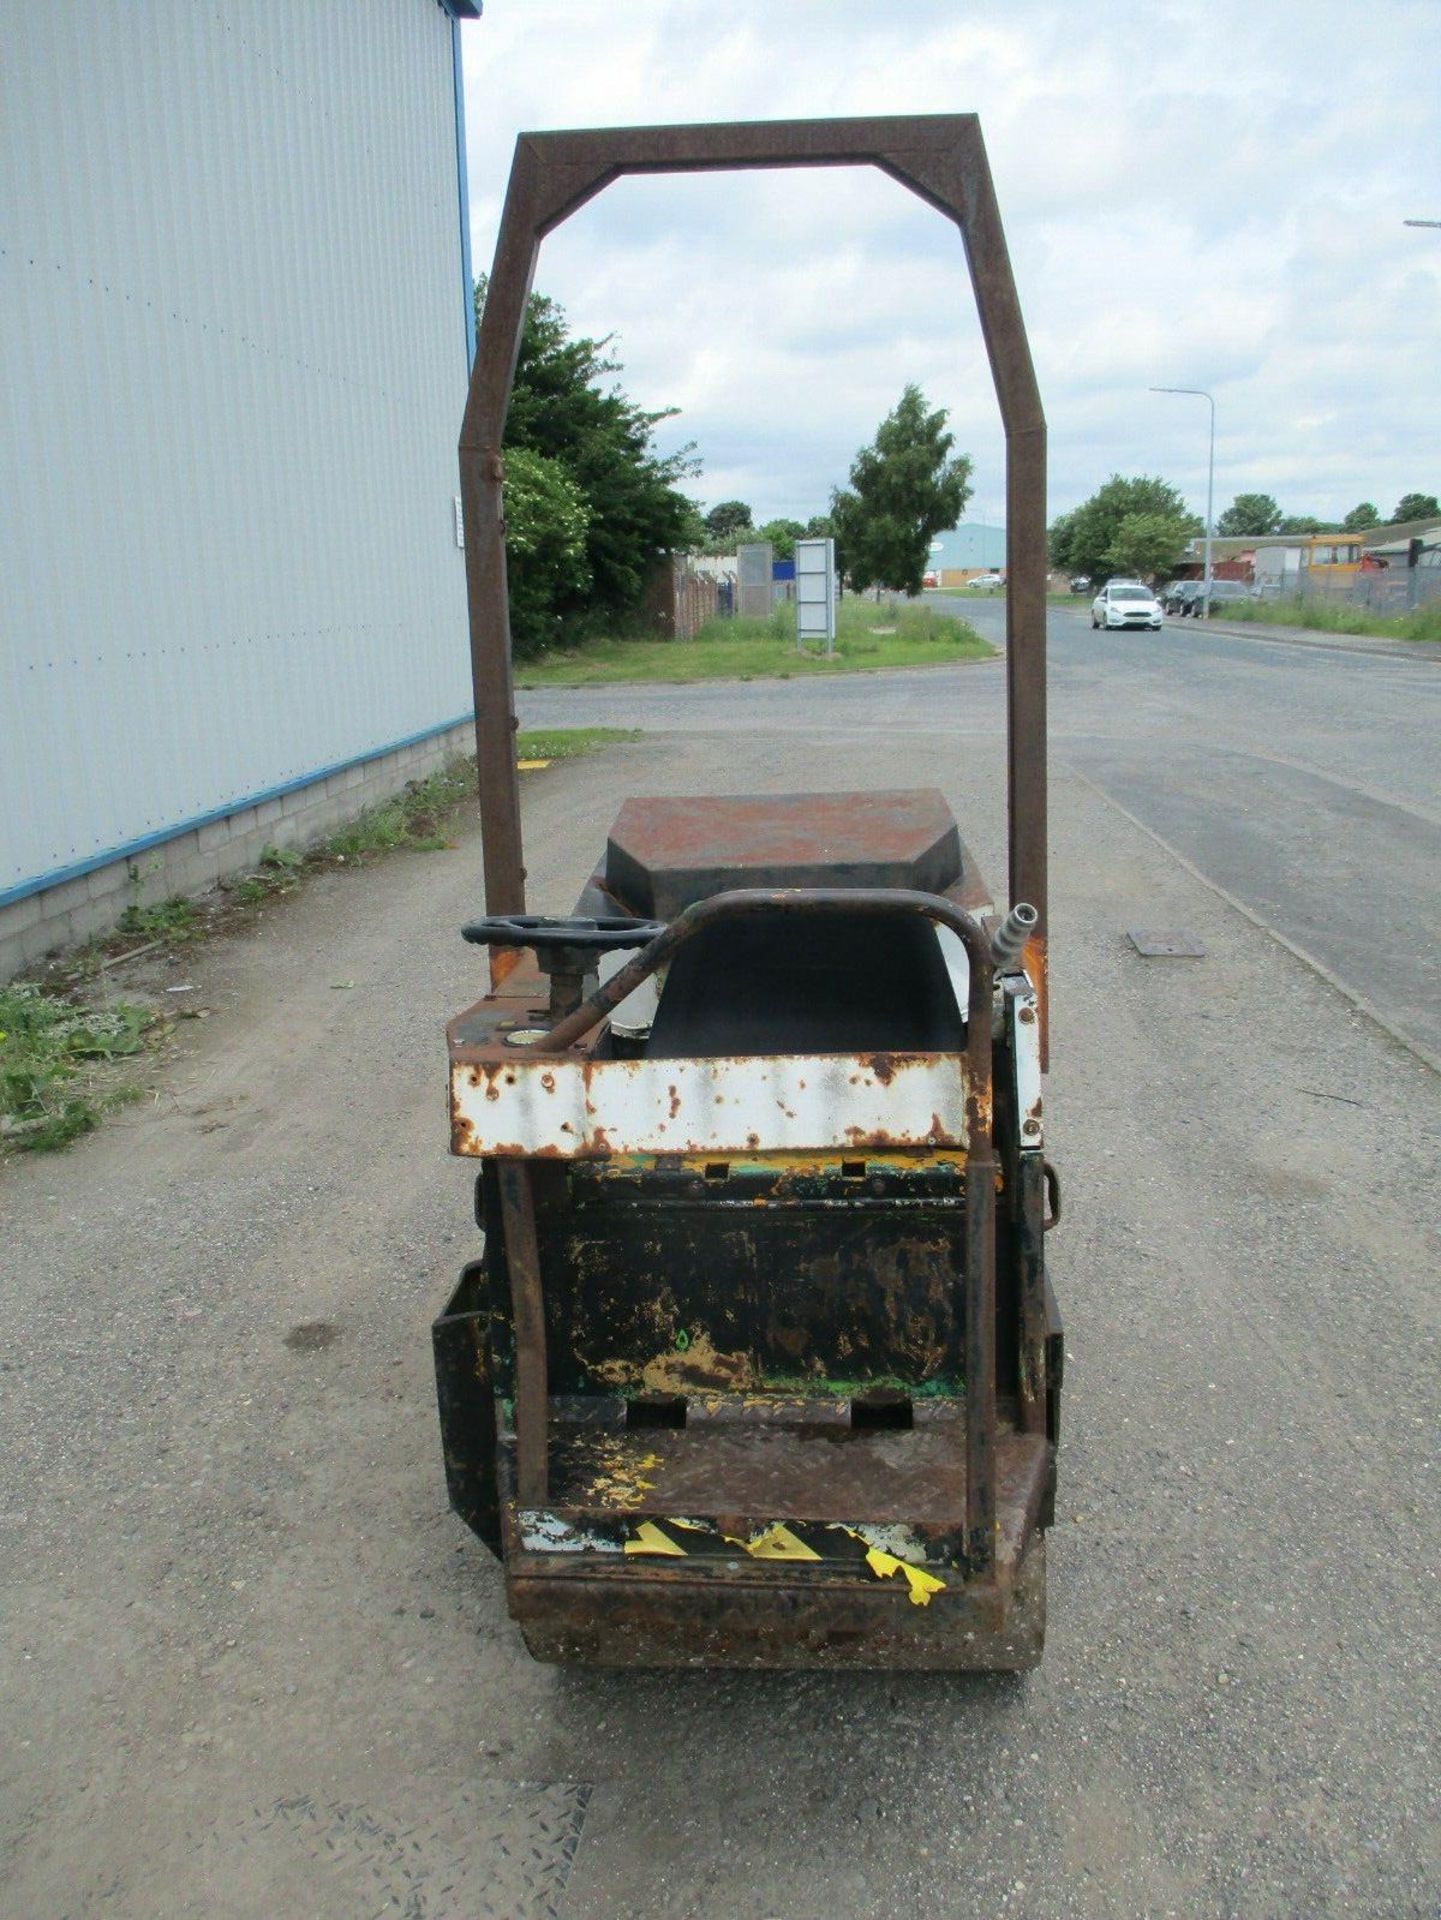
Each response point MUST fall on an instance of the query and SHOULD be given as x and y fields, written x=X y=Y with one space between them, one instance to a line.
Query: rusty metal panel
x=664 y=854
x=718 y=1488
x=567 y=1108
x=532 y=1401
x=688 y=1617
x=645 y=1586
x=655 y=1289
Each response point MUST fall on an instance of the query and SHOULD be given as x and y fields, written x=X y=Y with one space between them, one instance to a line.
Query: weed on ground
x=57 y=1062
x=416 y=818
x=175 y=920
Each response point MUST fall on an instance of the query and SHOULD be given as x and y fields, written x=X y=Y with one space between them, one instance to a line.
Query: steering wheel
x=545 y=934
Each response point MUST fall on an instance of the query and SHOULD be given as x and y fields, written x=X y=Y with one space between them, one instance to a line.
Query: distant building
x=1333 y=564
x=965 y=551
x=235 y=299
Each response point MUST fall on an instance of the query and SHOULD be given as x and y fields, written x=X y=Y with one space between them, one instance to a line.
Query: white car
x=990 y=580
x=1126 y=603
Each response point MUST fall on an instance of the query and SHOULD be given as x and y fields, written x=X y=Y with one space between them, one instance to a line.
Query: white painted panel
x=230 y=292
x=747 y=1104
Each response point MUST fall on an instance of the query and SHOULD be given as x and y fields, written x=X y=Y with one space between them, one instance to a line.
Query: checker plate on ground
x=497 y=1850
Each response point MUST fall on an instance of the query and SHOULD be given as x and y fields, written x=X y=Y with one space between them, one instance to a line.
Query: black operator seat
x=823 y=983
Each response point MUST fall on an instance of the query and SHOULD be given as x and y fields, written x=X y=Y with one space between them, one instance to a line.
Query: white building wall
x=232 y=308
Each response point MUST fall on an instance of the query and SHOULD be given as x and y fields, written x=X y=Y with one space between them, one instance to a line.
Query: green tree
x=565 y=408
x=820 y=526
x=782 y=535
x=1058 y=541
x=546 y=523
x=1305 y=523
x=1146 y=544
x=1250 y=513
x=1081 y=540
x=1416 y=506
x=904 y=489
x=728 y=524
x=1360 y=518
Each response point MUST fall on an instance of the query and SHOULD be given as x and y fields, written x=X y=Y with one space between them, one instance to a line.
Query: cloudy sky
x=1204 y=196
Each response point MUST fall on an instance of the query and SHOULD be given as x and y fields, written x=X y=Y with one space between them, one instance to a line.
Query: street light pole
x=1201 y=394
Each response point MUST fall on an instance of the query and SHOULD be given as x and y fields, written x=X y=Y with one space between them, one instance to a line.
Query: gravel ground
x=255 y=1667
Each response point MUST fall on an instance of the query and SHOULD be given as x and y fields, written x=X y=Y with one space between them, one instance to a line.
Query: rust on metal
x=939 y=157
x=701 y=1594
x=728 y=1104
x=663 y=855
x=739 y=1380
x=682 y=1613
x=532 y=1401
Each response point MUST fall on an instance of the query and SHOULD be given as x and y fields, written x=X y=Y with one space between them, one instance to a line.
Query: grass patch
x=910 y=635
x=1326 y=616
x=566 y=743
x=175 y=920
x=54 y=1062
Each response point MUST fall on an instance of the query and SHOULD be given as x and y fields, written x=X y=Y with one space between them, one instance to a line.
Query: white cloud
x=1193 y=197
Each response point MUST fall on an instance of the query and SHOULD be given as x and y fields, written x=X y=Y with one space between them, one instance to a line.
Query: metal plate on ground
x=1170 y=943
x=499 y=1850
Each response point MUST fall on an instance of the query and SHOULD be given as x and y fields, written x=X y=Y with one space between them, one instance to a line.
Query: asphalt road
x=253 y=1666
x=1300 y=780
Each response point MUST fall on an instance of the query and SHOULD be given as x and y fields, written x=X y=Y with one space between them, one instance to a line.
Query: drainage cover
x=1171 y=943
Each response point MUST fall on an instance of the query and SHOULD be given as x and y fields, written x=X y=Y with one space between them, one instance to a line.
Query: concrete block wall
x=79 y=909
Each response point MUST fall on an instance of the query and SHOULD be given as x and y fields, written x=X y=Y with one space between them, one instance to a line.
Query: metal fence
x=699 y=597
x=1389 y=591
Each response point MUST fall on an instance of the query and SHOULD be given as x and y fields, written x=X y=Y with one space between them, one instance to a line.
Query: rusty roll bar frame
x=939 y=157
x=942 y=159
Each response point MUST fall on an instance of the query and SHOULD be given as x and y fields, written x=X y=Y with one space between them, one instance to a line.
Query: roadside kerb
x=1331 y=642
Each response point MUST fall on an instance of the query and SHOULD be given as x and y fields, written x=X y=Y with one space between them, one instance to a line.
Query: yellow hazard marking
x=778 y=1543
x=530 y=766
x=921 y=1583
x=648 y=1538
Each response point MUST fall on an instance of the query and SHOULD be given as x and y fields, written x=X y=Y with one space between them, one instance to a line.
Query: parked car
x=1180 y=597
x=1224 y=593
x=1125 y=603
x=1081 y=583
x=985 y=580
